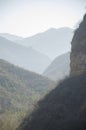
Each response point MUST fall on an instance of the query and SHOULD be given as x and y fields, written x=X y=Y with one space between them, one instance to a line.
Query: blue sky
x=28 y=17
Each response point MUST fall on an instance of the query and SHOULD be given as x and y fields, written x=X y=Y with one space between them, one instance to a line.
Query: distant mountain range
x=37 y=52
x=27 y=58
x=59 y=68
x=52 y=42
x=11 y=37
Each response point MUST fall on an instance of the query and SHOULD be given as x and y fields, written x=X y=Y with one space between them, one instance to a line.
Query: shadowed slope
x=63 y=109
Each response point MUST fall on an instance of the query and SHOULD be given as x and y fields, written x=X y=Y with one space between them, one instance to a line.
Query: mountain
x=14 y=80
x=19 y=92
x=27 y=58
x=78 y=54
x=52 y=42
x=59 y=68
x=11 y=37
x=64 y=108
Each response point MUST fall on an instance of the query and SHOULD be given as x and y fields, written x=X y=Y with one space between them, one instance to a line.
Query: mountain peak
x=51 y=29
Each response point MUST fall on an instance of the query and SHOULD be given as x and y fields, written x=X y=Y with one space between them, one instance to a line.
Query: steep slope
x=11 y=37
x=59 y=68
x=14 y=80
x=78 y=55
x=52 y=42
x=27 y=58
x=63 y=109
x=19 y=92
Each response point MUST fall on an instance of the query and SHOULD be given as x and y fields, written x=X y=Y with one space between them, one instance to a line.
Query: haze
x=28 y=17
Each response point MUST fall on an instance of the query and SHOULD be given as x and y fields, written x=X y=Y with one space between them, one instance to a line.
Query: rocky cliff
x=78 y=52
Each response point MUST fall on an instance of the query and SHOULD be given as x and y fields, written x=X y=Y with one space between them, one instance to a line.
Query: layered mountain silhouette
x=52 y=42
x=11 y=37
x=27 y=58
x=65 y=107
x=59 y=68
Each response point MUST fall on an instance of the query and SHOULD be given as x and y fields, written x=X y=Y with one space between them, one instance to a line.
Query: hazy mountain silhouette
x=11 y=37
x=59 y=67
x=27 y=58
x=52 y=42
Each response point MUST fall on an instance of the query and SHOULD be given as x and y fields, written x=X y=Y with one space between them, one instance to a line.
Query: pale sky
x=28 y=17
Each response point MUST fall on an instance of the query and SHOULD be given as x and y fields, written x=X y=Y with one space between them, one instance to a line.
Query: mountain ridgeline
x=15 y=80
x=65 y=107
x=52 y=42
x=59 y=67
x=27 y=58
x=11 y=37
x=19 y=91
x=36 y=53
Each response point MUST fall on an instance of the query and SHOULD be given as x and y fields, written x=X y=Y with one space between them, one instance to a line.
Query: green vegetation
x=19 y=92
x=11 y=120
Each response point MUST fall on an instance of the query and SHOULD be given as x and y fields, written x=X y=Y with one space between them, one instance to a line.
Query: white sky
x=28 y=17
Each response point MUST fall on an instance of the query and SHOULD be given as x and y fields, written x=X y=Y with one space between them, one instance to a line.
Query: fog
x=29 y=17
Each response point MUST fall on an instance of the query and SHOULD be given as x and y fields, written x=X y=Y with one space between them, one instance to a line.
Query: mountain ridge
x=27 y=58
x=50 y=42
x=59 y=67
x=11 y=37
x=19 y=92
